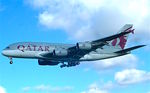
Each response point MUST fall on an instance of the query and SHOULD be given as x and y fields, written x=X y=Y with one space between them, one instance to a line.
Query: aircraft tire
x=11 y=62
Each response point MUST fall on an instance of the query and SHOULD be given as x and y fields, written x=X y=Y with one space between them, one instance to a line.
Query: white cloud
x=128 y=61
x=2 y=89
x=54 y=89
x=42 y=87
x=52 y=21
x=96 y=18
x=40 y=3
x=132 y=76
x=47 y=88
x=93 y=88
x=136 y=9
x=108 y=85
x=26 y=89
x=92 y=5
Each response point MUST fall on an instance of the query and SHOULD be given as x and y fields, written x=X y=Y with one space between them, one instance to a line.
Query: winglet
x=126 y=28
x=132 y=31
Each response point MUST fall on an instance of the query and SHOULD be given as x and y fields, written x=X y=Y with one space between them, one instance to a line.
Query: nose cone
x=4 y=52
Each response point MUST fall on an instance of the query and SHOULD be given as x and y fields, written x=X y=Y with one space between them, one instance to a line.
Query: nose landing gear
x=11 y=61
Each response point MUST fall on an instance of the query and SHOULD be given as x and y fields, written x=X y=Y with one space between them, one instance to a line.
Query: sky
x=71 y=21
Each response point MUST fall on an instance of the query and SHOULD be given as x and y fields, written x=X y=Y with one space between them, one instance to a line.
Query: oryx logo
x=121 y=41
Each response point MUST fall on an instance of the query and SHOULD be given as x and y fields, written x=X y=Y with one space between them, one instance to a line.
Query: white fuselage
x=34 y=49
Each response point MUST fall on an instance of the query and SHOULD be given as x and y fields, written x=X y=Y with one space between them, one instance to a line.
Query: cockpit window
x=7 y=47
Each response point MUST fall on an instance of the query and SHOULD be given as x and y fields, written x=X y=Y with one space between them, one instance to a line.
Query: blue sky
x=71 y=21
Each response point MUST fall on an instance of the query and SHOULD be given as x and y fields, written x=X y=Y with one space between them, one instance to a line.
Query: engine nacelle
x=84 y=45
x=61 y=52
x=47 y=62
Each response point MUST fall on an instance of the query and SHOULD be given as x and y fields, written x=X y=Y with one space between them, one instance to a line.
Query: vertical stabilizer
x=120 y=42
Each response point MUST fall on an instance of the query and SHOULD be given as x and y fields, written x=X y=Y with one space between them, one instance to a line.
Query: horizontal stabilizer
x=130 y=49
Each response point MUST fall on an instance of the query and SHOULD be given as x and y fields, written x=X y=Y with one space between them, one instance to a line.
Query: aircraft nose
x=4 y=52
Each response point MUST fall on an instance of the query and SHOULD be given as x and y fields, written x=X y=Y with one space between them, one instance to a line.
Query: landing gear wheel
x=61 y=66
x=11 y=62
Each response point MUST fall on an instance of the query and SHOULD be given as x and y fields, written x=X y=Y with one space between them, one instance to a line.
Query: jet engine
x=61 y=52
x=84 y=45
x=47 y=62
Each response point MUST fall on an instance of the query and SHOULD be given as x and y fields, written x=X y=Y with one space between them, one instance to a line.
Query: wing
x=78 y=53
x=75 y=53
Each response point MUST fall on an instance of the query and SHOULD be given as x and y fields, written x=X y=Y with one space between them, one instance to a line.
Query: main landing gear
x=11 y=61
x=63 y=65
x=69 y=64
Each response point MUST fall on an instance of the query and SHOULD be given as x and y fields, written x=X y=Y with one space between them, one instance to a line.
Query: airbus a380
x=72 y=54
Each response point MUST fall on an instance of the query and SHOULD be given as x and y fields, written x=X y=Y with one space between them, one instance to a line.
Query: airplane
x=72 y=54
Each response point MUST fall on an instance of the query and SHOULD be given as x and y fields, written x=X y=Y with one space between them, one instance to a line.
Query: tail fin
x=120 y=42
